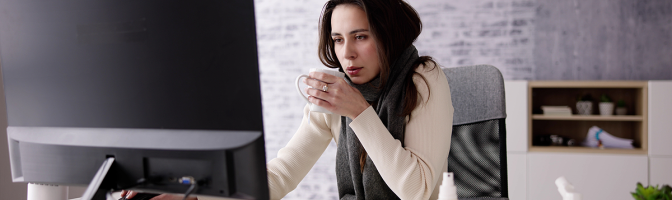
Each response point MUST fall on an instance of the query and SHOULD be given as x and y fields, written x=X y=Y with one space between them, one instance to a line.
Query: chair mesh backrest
x=478 y=145
x=476 y=159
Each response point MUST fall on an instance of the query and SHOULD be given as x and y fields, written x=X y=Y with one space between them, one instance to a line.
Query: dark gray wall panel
x=603 y=40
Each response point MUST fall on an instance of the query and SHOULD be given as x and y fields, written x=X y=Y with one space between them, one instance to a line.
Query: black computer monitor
x=167 y=88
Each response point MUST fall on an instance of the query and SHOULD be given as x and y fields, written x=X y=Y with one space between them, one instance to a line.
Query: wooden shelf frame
x=589 y=117
x=577 y=149
x=588 y=84
x=637 y=119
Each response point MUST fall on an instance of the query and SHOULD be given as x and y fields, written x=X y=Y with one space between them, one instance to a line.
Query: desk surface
x=117 y=196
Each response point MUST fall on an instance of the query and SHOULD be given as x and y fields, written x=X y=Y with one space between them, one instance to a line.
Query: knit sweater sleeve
x=413 y=171
x=300 y=154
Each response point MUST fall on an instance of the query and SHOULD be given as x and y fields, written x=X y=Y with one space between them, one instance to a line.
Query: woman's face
x=354 y=45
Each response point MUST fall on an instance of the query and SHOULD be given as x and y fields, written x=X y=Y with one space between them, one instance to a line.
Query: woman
x=392 y=133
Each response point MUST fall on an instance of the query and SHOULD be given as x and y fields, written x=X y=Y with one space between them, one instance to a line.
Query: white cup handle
x=298 y=89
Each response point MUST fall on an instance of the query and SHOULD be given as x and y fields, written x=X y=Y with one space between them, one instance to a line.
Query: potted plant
x=606 y=106
x=584 y=105
x=620 y=108
x=652 y=193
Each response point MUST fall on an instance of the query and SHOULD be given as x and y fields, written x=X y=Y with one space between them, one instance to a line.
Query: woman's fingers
x=128 y=194
x=315 y=83
x=320 y=102
x=318 y=80
x=319 y=88
x=324 y=77
x=320 y=93
x=337 y=97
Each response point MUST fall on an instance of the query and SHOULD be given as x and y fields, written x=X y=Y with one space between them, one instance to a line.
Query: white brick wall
x=456 y=33
x=468 y=32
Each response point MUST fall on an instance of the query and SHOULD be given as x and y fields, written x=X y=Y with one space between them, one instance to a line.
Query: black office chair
x=478 y=145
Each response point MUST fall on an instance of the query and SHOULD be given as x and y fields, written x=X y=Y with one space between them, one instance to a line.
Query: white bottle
x=566 y=189
x=448 y=191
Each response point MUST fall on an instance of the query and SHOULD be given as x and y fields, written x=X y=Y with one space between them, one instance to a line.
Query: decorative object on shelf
x=620 y=108
x=584 y=105
x=552 y=140
x=542 y=140
x=606 y=106
x=652 y=193
x=599 y=138
x=557 y=110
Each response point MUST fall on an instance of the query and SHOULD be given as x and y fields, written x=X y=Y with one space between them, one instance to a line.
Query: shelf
x=589 y=117
x=588 y=84
x=632 y=126
x=576 y=149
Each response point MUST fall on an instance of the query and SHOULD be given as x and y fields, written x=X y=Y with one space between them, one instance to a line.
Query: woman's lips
x=353 y=70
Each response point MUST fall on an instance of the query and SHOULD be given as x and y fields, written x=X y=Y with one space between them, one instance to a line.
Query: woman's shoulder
x=434 y=92
x=431 y=82
x=429 y=72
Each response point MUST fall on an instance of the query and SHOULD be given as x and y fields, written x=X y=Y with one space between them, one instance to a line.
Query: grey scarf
x=368 y=184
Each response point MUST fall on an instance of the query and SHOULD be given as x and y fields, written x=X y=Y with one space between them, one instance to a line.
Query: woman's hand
x=340 y=98
x=130 y=194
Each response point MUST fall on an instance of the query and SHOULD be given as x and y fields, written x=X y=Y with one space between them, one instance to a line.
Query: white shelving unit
x=596 y=174
x=660 y=132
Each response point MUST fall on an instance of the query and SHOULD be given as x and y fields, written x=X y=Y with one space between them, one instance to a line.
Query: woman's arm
x=298 y=157
x=412 y=171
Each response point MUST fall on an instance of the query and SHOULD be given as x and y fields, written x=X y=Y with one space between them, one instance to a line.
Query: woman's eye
x=338 y=40
x=360 y=37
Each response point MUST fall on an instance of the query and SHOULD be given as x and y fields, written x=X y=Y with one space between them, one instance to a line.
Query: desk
x=117 y=196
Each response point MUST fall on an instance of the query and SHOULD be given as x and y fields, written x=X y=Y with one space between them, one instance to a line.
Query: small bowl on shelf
x=621 y=111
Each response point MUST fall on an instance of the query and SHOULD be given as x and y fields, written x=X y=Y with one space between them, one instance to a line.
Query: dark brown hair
x=395 y=26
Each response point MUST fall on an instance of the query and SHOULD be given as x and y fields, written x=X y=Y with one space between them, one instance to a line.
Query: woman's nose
x=350 y=52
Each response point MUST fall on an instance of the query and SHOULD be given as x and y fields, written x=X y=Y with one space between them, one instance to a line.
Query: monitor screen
x=168 y=88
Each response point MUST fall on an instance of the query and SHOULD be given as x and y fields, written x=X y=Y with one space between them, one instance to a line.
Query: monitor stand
x=98 y=189
x=100 y=186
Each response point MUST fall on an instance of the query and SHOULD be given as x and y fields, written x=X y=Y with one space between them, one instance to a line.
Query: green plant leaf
x=642 y=191
x=636 y=196
x=651 y=192
x=585 y=97
x=666 y=189
x=620 y=103
x=605 y=98
x=666 y=192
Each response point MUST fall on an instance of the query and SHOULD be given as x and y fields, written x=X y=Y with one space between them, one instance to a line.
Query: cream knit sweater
x=412 y=172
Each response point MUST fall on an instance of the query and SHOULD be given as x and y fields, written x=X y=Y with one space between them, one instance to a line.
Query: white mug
x=313 y=107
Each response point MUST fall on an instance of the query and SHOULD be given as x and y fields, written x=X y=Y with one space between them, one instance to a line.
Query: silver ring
x=325 y=88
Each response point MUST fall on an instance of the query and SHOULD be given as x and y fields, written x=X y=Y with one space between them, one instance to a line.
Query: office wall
x=603 y=40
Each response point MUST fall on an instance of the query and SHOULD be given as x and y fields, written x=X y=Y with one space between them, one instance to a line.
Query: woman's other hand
x=129 y=194
x=339 y=98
